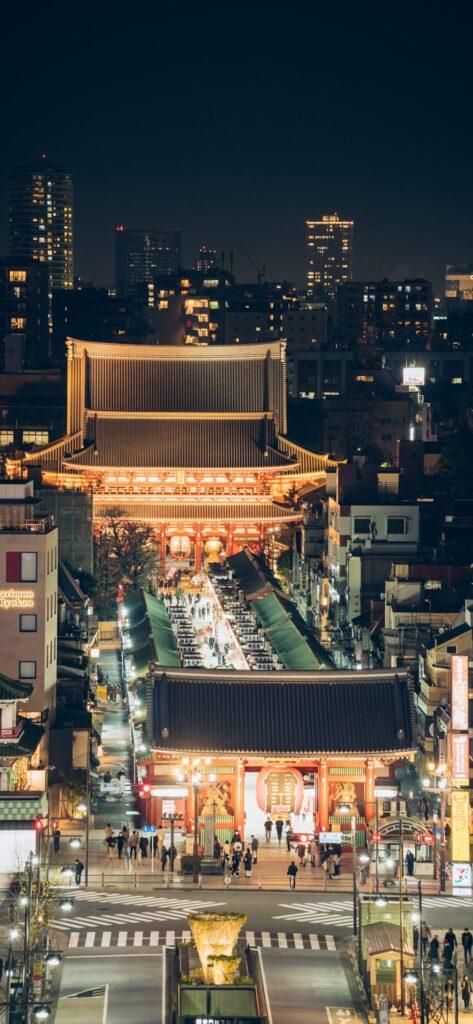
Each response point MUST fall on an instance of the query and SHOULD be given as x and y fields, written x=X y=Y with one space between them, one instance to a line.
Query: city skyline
x=302 y=125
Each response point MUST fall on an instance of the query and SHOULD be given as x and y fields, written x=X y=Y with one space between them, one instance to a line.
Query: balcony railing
x=40 y=524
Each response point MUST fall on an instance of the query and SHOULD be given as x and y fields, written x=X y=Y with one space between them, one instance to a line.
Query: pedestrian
x=226 y=851
x=268 y=828
x=466 y=991
x=56 y=840
x=330 y=865
x=426 y=936
x=279 y=827
x=336 y=864
x=217 y=848
x=450 y=939
x=415 y=939
x=164 y=857
x=314 y=854
x=235 y=864
x=134 y=840
x=292 y=872
x=238 y=846
x=434 y=948
x=410 y=861
x=301 y=854
x=78 y=869
x=426 y=808
x=154 y=845
x=120 y=842
x=254 y=848
x=143 y=844
x=247 y=862
x=161 y=837
x=110 y=844
x=289 y=838
x=107 y=777
x=449 y=991
x=467 y=941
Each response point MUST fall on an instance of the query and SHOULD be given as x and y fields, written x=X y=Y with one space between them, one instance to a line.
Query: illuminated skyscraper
x=329 y=255
x=140 y=256
x=41 y=219
x=206 y=259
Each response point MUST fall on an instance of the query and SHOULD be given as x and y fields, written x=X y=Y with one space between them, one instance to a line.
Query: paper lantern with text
x=180 y=547
x=280 y=791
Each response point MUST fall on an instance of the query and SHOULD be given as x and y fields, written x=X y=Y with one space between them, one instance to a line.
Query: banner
x=459 y=693
x=460 y=825
x=460 y=757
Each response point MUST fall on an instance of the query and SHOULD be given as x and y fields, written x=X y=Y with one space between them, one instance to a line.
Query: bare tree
x=131 y=543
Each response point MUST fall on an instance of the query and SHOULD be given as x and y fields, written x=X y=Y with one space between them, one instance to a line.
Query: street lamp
x=42 y=1012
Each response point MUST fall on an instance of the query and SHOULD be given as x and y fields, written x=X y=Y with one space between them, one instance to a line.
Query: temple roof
x=184 y=512
x=157 y=443
x=14 y=689
x=307 y=713
x=27 y=742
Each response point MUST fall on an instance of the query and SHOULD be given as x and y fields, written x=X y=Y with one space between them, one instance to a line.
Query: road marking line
x=154 y=938
x=105 y=1004
x=186 y=936
x=266 y=939
x=314 y=941
x=163 y=1000
x=298 y=943
x=74 y=940
x=282 y=940
x=89 y=939
x=250 y=938
x=106 y=937
x=138 y=939
x=330 y=942
x=170 y=940
x=264 y=984
x=122 y=937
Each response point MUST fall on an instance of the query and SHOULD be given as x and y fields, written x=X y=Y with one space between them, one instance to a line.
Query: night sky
x=239 y=122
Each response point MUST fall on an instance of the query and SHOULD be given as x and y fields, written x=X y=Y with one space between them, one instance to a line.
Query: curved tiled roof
x=177 y=443
x=283 y=713
x=14 y=689
x=183 y=512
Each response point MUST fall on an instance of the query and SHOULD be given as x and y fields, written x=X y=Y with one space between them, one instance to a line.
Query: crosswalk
x=134 y=910
x=323 y=912
x=108 y=939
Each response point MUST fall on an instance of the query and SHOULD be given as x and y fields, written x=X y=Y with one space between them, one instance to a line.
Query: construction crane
x=261 y=271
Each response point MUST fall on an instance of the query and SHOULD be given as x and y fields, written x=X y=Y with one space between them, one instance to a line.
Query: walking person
x=134 y=844
x=56 y=840
x=254 y=848
x=426 y=936
x=415 y=939
x=143 y=844
x=434 y=948
x=289 y=838
x=164 y=857
x=410 y=861
x=235 y=864
x=301 y=854
x=110 y=844
x=279 y=827
x=247 y=862
x=330 y=866
x=450 y=940
x=466 y=992
x=467 y=941
x=78 y=869
x=292 y=872
x=120 y=842
x=268 y=828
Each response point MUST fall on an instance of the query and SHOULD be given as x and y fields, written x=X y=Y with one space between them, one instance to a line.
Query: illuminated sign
x=460 y=757
x=16 y=598
x=336 y=838
x=414 y=376
x=460 y=693
x=461 y=876
x=460 y=837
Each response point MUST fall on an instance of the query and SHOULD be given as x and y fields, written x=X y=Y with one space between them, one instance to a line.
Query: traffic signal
x=39 y=824
x=145 y=789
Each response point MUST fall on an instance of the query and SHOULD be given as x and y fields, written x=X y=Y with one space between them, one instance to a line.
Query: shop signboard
x=336 y=838
x=460 y=837
x=460 y=757
x=459 y=693
x=461 y=876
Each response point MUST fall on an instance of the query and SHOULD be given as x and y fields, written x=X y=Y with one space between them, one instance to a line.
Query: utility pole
x=401 y=917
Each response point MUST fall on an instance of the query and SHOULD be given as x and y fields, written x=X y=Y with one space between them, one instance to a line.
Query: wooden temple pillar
x=323 y=797
x=230 y=541
x=240 y=798
x=162 y=552
x=198 y=551
x=370 y=799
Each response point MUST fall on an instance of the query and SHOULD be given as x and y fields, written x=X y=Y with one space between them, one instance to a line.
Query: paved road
x=111 y=988
x=139 y=914
x=311 y=987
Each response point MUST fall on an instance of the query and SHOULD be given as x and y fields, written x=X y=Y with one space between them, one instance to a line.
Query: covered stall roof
x=150 y=632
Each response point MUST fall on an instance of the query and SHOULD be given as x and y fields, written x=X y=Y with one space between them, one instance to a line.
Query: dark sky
x=238 y=122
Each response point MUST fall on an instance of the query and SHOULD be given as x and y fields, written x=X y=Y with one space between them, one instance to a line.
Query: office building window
x=397 y=526
x=27 y=670
x=22 y=567
x=362 y=525
x=28 y=623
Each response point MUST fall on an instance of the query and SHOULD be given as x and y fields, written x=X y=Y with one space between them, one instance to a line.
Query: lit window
x=35 y=436
x=18 y=323
x=17 y=275
x=21 y=567
x=27 y=670
x=28 y=623
x=6 y=437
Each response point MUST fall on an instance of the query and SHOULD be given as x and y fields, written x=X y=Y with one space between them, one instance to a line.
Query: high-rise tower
x=41 y=219
x=329 y=255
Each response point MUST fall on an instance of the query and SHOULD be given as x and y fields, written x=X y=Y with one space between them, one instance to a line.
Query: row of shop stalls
x=265 y=617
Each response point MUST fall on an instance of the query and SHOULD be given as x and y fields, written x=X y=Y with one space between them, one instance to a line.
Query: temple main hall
x=190 y=439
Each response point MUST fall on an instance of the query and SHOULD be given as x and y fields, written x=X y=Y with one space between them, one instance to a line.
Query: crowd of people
x=446 y=951
x=132 y=845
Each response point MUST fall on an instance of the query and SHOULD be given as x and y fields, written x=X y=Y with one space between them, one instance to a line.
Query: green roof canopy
x=150 y=632
x=268 y=611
